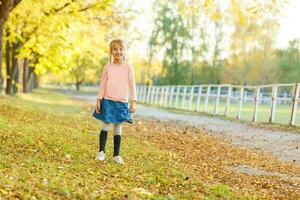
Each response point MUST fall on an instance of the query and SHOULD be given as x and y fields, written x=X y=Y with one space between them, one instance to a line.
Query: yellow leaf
x=206 y=3
x=238 y=11
x=4 y=192
x=215 y=16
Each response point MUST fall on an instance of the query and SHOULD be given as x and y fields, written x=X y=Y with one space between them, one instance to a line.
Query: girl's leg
x=117 y=138
x=103 y=136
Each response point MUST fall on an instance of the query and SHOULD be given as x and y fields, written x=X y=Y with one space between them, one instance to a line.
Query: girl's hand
x=98 y=106
x=132 y=107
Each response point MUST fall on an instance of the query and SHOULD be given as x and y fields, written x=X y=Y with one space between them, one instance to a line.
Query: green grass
x=282 y=114
x=47 y=150
x=220 y=191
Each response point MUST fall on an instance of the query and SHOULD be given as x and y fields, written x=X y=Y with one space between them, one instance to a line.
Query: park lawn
x=48 y=148
x=48 y=144
x=282 y=114
x=281 y=122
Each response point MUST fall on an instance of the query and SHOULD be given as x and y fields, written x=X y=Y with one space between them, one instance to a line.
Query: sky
x=289 y=22
x=143 y=24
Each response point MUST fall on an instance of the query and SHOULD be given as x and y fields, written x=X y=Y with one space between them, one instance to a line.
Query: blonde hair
x=112 y=44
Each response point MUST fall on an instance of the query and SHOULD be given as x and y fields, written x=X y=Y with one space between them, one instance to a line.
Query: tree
x=6 y=6
x=289 y=62
x=55 y=20
x=247 y=62
x=252 y=58
x=170 y=36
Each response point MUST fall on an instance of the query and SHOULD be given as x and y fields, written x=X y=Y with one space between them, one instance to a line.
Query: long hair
x=112 y=44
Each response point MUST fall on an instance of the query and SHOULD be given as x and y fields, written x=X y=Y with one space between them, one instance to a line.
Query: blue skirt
x=114 y=112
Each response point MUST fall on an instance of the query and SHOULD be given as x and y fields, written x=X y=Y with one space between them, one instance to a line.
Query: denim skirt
x=114 y=112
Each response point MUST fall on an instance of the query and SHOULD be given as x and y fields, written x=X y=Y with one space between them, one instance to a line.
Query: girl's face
x=117 y=52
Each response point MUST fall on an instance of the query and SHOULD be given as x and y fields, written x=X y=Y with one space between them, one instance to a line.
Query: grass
x=47 y=152
x=48 y=144
x=282 y=113
x=220 y=191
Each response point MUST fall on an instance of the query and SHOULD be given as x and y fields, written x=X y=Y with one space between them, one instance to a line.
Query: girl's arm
x=102 y=85
x=132 y=84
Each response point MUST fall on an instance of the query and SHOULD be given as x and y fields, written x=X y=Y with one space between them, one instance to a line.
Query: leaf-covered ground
x=48 y=144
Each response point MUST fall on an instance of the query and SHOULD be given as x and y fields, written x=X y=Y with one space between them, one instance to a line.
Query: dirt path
x=212 y=159
x=281 y=144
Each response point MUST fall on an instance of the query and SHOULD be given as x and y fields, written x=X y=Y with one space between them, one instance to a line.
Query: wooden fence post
x=145 y=94
x=240 y=103
x=228 y=100
x=256 y=103
x=273 y=104
x=216 y=110
x=140 y=93
x=148 y=94
x=294 y=103
x=177 y=96
x=137 y=93
x=161 y=98
x=152 y=95
x=160 y=95
x=183 y=96
x=157 y=95
x=171 y=97
x=206 y=98
x=166 y=96
x=199 y=98
x=191 y=98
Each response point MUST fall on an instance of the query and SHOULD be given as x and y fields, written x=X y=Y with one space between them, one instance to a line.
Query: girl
x=112 y=100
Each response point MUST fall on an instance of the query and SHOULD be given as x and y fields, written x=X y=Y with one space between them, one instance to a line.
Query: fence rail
x=276 y=103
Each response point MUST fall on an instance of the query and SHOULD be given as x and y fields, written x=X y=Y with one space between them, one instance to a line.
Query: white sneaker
x=100 y=156
x=118 y=159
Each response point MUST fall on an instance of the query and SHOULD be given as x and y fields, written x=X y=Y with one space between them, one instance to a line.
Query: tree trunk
x=15 y=68
x=8 y=68
x=25 y=75
x=30 y=80
x=1 y=36
x=12 y=68
x=35 y=83
x=78 y=81
x=5 y=8
x=77 y=86
x=16 y=78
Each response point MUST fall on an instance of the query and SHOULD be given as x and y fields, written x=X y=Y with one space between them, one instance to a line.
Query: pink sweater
x=115 y=81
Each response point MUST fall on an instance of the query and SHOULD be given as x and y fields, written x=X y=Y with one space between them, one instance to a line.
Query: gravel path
x=284 y=145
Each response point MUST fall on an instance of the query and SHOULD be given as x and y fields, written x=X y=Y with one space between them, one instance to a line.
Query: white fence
x=255 y=103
